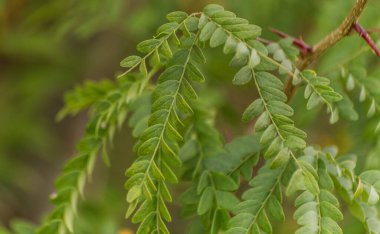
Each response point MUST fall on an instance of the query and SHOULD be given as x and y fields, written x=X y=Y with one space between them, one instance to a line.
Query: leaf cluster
x=177 y=140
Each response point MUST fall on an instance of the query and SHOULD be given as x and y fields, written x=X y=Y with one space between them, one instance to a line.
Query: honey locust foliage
x=175 y=133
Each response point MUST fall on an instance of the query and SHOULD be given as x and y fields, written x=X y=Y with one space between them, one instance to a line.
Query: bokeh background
x=49 y=46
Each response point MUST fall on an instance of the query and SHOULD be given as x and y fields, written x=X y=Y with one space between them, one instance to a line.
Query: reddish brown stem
x=298 y=42
x=327 y=42
x=365 y=35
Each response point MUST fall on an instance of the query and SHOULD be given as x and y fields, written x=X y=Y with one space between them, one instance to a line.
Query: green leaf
x=268 y=134
x=205 y=201
x=243 y=76
x=310 y=182
x=373 y=196
x=329 y=210
x=264 y=223
x=279 y=55
x=218 y=38
x=363 y=94
x=280 y=108
x=265 y=194
x=224 y=183
x=262 y=122
x=314 y=100
x=286 y=67
x=145 y=226
x=318 y=212
x=164 y=210
x=223 y=14
x=203 y=182
x=172 y=133
x=165 y=192
x=253 y=110
x=226 y=199
x=294 y=142
x=207 y=31
x=203 y=20
x=149 y=146
x=371 y=177
x=177 y=16
x=275 y=209
x=296 y=182
x=318 y=90
x=230 y=45
x=230 y=20
x=254 y=59
x=194 y=73
x=143 y=211
x=148 y=45
x=186 y=31
x=192 y=23
x=183 y=105
x=244 y=31
x=131 y=208
x=166 y=29
x=188 y=91
x=199 y=55
x=168 y=173
x=157 y=172
x=350 y=84
x=281 y=158
x=372 y=109
x=273 y=148
x=242 y=52
x=266 y=79
x=130 y=61
x=240 y=155
x=211 y=9
x=133 y=193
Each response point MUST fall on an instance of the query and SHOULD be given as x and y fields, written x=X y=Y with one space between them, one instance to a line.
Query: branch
x=365 y=35
x=327 y=42
x=302 y=46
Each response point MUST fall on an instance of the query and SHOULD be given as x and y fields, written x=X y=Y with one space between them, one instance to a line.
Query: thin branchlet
x=327 y=42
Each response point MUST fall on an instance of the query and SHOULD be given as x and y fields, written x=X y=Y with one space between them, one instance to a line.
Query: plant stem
x=365 y=35
x=326 y=43
x=298 y=42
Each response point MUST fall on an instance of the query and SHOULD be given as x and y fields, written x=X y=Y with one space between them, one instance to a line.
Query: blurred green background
x=49 y=46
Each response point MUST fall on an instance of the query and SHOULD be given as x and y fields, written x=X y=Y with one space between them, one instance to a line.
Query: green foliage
x=264 y=197
x=82 y=97
x=210 y=196
x=109 y=111
x=357 y=191
x=158 y=145
x=318 y=213
x=177 y=140
x=356 y=76
x=318 y=90
x=19 y=227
